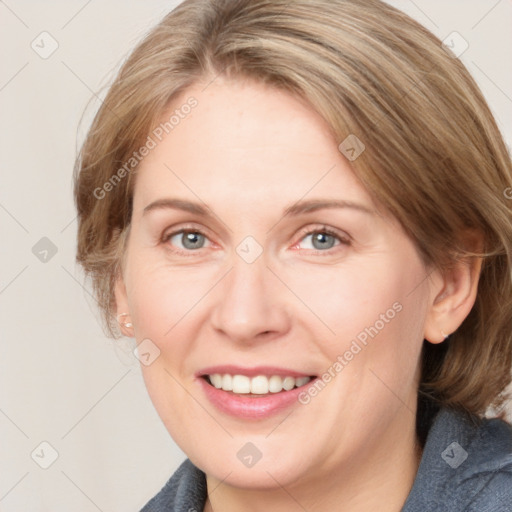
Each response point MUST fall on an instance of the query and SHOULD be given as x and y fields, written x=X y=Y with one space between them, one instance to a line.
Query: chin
x=241 y=464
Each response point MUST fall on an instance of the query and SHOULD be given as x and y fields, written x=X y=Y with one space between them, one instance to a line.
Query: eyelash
x=343 y=239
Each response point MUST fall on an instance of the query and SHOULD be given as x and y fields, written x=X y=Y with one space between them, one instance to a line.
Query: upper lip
x=252 y=371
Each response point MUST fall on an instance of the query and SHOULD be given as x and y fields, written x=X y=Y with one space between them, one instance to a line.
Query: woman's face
x=256 y=256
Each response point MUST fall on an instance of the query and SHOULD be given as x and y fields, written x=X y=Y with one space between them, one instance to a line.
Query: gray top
x=466 y=466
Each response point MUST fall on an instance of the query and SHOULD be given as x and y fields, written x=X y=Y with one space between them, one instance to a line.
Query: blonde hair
x=434 y=156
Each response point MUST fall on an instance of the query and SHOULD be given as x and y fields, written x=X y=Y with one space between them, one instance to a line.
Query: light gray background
x=61 y=380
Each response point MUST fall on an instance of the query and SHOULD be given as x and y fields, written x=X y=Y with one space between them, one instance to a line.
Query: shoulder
x=488 y=476
x=466 y=466
x=184 y=492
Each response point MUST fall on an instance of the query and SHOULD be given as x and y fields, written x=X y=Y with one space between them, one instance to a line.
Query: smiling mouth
x=258 y=385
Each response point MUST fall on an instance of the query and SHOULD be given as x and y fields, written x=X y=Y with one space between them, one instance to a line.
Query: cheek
x=373 y=351
x=350 y=298
x=166 y=309
x=366 y=313
x=162 y=297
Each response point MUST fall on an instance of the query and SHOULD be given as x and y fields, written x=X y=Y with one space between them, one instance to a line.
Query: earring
x=444 y=335
x=127 y=325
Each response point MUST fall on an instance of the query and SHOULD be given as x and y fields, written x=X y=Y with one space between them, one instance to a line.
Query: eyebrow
x=298 y=208
x=313 y=205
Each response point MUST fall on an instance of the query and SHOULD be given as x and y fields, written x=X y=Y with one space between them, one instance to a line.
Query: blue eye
x=320 y=240
x=189 y=240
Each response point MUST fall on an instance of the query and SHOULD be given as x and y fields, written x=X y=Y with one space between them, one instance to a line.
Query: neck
x=378 y=479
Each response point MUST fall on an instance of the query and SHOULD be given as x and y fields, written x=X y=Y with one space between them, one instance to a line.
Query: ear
x=453 y=294
x=122 y=309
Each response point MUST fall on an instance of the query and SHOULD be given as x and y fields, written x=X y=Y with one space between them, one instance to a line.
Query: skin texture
x=248 y=151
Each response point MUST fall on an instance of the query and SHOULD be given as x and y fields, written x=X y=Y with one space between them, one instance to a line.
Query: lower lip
x=251 y=406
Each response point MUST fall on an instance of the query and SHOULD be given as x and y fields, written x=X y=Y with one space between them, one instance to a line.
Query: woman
x=299 y=211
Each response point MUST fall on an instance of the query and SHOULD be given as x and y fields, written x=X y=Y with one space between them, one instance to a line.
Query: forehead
x=244 y=143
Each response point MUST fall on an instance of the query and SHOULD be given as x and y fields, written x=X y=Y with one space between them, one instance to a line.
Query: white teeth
x=275 y=384
x=301 y=381
x=241 y=384
x=227 y=382
x=259 y=385
x=288 y=383
x=216 y=380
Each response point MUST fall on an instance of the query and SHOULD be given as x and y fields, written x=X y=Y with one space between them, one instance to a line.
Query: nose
x=251 y=303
